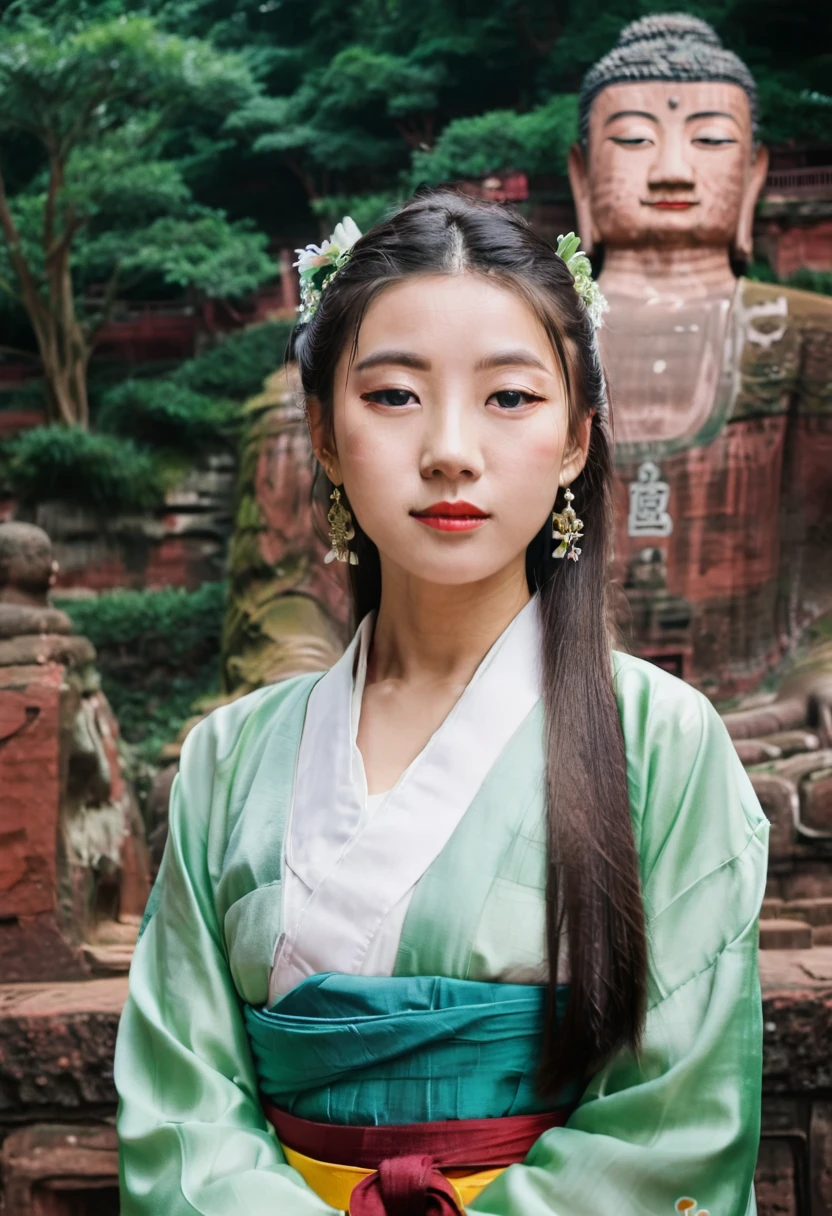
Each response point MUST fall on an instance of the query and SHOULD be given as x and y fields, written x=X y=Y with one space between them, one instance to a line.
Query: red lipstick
x=451 y=516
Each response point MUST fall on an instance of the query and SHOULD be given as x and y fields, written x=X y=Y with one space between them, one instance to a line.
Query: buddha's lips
x=671 y=204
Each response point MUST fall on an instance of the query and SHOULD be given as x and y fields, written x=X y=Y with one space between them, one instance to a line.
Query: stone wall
x=57 y=1100
x=183 y=545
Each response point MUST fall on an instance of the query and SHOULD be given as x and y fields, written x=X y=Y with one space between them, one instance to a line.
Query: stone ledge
x=57 y=1040
x=56 y=1048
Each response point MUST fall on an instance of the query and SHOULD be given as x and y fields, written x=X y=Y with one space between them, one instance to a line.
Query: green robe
x=682 y=1120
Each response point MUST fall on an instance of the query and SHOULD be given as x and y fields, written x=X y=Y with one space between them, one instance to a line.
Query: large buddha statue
x=722 y=387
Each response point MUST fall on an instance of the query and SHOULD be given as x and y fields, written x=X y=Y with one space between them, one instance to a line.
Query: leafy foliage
x=238 y=364
x=365 y=209
x=196 y=407
x=157 y=654
x=804 y=279
x=103 y=473
x=102 y=104
x=167 y=415
x=536 y=142
x=172 y=622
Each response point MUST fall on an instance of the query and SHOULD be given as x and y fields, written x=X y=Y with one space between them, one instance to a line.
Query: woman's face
x=450 y=428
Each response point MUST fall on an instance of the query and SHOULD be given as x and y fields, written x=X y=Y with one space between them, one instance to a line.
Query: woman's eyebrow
x=404 y=358
x=511 y=358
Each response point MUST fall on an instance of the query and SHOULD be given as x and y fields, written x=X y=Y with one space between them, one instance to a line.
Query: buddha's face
x=668 y=164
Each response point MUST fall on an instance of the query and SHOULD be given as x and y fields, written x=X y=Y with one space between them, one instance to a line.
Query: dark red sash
x=408 y=1157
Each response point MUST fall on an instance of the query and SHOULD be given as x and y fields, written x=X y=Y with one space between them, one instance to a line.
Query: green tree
x=107 y=200
x=536 y=142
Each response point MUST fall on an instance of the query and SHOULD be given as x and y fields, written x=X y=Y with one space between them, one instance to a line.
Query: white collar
x=331 y=843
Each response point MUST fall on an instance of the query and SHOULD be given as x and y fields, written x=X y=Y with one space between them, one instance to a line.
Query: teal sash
x=362 y=1050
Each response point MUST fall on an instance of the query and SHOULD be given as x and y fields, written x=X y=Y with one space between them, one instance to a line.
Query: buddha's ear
x=579 y=181
x=744 y=240
x=322 y=441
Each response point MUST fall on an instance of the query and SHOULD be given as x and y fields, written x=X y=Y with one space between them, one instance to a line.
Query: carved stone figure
x=722 y=387
x=72 y=855
x=287 y=609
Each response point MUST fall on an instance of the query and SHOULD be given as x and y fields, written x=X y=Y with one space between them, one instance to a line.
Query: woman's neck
x=690 y=273
x=431 y=632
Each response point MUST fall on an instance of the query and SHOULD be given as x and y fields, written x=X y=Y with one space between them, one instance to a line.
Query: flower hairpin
x=579 y=267
x=333 y=253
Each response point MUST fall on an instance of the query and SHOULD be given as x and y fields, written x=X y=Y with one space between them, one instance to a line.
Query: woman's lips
x=451 y=516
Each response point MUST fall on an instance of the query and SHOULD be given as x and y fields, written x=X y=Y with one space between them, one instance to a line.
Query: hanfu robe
x=292 y=913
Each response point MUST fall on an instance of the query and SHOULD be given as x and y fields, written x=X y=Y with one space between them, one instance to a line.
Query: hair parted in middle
x=594 y=908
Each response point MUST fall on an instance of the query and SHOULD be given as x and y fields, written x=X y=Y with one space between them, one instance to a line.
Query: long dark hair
x=593 y=889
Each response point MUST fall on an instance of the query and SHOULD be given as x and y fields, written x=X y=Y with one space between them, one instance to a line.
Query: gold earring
x=567 y=528
x=341 y=531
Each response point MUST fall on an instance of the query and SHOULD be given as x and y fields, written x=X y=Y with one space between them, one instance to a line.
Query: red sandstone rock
x=812 y=774
x=816 y=799
x=788 y=742
x=17 y=619
x=785 y=935
x=756 y=751
x=779 y=800
x=813 y=911
x=811 y=880
x=820 y=1133
x=45 y=648
x=57 y=1170
x=766 y=719
x=774 y=1180
x=72 y=853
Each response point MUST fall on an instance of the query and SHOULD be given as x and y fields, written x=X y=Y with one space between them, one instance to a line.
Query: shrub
x=804 y=278
x=158 y=653
x=172 y=622
x=812 y=280
x=237 y=366
x=165 y=414
x=195 y=408
x=102 y=473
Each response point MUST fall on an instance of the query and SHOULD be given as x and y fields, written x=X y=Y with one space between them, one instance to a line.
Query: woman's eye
x=511 y=398
x=389 y=396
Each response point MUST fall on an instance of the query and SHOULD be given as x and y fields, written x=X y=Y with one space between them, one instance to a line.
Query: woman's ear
x=322 y=443
x=574 y=458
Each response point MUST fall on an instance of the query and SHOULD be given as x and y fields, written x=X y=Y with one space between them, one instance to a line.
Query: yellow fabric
x=335 y=1183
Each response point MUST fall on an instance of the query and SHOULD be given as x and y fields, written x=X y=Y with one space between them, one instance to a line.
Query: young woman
x=468 y=922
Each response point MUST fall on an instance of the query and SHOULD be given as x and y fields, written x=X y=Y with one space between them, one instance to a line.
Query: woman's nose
x=451 y=447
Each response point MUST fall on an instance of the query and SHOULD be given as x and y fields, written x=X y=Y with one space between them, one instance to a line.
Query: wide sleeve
x=682 y=1120
x=193 y=1138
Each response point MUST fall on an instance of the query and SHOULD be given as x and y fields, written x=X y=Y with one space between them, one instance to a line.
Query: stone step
x=813 y=911
x=785 y=934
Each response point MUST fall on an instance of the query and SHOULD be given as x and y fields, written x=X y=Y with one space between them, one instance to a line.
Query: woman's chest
x=475 y=905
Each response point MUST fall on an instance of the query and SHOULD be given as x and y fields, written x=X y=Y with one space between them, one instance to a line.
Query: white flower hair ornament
x=577 y=262
x=333 y=254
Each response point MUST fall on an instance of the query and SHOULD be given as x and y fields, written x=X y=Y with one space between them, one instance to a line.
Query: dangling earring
x=567 y=528
x=341 y=531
